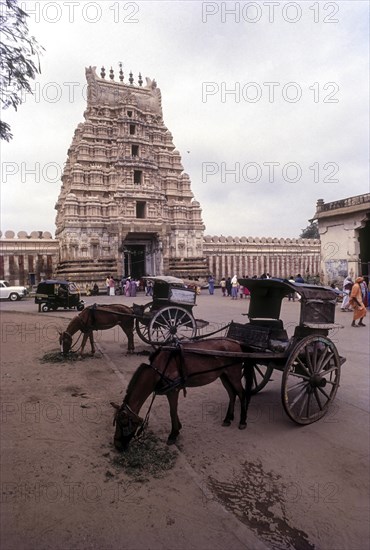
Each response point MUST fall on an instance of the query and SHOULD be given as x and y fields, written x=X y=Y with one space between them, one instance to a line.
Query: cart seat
x=262 y=336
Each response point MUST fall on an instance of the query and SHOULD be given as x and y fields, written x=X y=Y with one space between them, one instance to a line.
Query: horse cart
x=309 y=360
x=169 y=316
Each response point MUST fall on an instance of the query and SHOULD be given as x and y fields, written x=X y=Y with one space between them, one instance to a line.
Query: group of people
x=129 y=286
x=230 y=287
x=355 y=299
x=126 y=286
x=91 y=290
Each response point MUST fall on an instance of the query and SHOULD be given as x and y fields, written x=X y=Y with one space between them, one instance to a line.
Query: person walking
x=291 y=295
x=347 y=287
x=127 y=286
x=234 y=287
x=356 y=301
x=223 y=286
x=149 y=288
x=211 y=284
x=133 y=288
x=228 y=286
x=112 y=287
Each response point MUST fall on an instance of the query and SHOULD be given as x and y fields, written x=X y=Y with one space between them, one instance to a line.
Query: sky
x=267 y=103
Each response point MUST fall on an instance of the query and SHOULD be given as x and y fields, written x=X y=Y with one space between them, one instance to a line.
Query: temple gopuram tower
x=125 y=207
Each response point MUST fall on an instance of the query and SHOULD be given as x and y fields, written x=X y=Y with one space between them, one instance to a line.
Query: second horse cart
x=169 y=316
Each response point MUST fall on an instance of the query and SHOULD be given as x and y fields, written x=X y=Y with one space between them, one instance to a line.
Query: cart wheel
x=142 y=324
x=310 y=379
x=170 y=324
x=261 y=375
x=44 y=307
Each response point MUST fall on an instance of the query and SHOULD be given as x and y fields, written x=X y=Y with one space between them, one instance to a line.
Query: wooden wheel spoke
x=159 y=325
x=256 y=368
x=304 y=401
x=163 y=331
x=324 y=393
x=261 y=376
x=309 y=397
x=301 y=376
x=299 y=395
x=323 y=359
x=324 y=373
x=180 y=319
x=317 y=397
x=303 y=366
x=297 y=385
x=325 y=362
x=311 y=360
x=333 y=383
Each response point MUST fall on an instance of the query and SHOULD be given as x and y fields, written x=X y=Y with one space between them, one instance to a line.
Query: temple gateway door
x=134 y=261
x=141 y=255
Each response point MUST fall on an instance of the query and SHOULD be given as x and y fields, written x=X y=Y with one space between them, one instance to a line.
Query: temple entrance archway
x=141 y=255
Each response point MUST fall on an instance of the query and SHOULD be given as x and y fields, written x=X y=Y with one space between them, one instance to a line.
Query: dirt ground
x=61 y=487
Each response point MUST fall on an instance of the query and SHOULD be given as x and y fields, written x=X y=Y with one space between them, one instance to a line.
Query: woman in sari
x=356 y=301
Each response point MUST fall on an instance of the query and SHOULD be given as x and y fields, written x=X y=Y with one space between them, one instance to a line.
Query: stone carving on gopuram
x=126 y=207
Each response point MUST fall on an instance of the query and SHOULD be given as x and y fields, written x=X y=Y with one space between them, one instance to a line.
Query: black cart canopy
x=48 y=286
x=317 y=302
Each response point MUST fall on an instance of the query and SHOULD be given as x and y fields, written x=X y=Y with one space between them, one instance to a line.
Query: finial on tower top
x=111 y=73
x=120 y=72
x=102 y=72
x=131 y=80
x=140 y=81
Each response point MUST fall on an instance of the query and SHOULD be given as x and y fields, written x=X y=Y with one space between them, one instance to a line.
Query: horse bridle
x=142 y=424
x=73 y=345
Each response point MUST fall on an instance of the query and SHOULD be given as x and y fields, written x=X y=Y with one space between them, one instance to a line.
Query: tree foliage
x=19 y=59
x=311 y=232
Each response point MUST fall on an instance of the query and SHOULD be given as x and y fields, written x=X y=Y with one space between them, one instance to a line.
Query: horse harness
x=167 y=384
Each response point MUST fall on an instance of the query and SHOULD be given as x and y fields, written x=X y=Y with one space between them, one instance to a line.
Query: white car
x=13 y=293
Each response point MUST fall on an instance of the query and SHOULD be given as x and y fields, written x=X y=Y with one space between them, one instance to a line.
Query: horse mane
x=76 y=322
x=135 y=377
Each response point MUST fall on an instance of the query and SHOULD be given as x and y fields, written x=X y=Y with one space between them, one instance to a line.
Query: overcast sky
x=267 y=103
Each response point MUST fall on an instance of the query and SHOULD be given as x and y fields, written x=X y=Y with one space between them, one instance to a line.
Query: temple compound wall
x=344 y=228
x=249 y=256
x=26 y=259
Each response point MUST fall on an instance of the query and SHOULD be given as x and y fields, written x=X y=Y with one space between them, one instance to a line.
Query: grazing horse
x=98 y=317
x=171 y=369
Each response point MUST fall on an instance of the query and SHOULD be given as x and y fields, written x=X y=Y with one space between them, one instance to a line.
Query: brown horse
x=98 y=317
x=190 y=365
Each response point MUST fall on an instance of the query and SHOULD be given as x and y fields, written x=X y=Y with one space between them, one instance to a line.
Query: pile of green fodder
x=58 y=357
x=146 y=456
